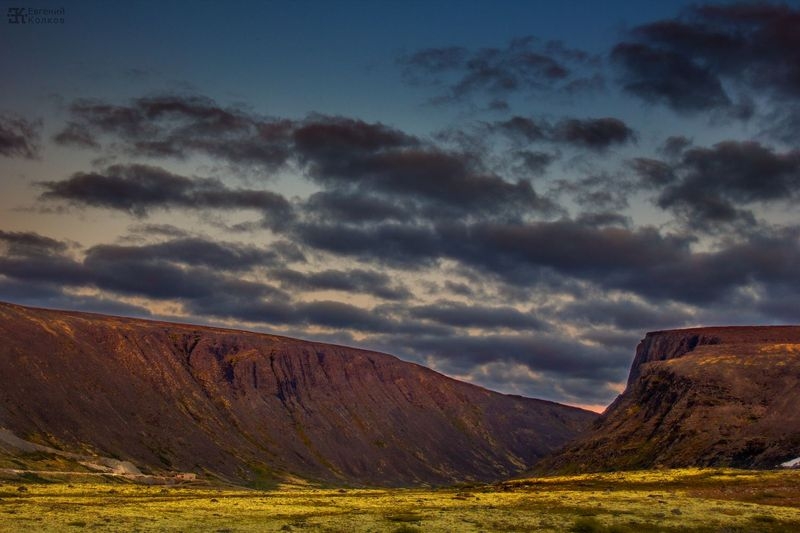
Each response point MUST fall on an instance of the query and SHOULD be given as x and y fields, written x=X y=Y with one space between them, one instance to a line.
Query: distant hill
x=723 y=396
x=252 y=407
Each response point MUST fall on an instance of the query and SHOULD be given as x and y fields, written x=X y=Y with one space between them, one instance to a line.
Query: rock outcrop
x=254 y=407
x=723 y=396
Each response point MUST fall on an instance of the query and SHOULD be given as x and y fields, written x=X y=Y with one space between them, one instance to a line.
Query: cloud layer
x=522 y=249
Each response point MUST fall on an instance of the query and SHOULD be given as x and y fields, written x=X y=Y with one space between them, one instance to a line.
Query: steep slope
x=700 y=397
x=249 y=406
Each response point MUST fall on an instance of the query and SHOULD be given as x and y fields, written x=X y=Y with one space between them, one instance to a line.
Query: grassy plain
x=694 y=500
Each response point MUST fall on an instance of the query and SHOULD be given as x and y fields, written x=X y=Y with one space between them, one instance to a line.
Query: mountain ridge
x=714 y=396
x=245 y=405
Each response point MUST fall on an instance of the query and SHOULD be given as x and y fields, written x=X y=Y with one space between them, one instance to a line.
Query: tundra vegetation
x=695 y=500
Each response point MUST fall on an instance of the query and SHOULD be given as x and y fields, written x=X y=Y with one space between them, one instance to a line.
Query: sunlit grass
x=713 y=500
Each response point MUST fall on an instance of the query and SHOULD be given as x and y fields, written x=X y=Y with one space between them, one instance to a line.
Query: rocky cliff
x=250 y=407
x=700 y=397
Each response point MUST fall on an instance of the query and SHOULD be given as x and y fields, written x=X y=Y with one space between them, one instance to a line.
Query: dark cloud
x=321 y=139
x=599 y=192
x=347 y=155
x=19 y=137
x=30 y=257
x=26 y=243
x=185 y=268
x=595 y=134
x=206 y=277
x=356 y=207
x=612 y=256
x=523 y=129
x=53 y=297
x=653 y=173
x=196 y=251
x=385 y=171
x=715 y=57
x=178 y=126
x=462 y=315
x=527 y=254
x=352 y=281
x=668 y=77
x=624 y=314
x=715 y=184
x=121 y=270
x=592 y=133
x=599 y=219
x=139 y=189
x=461 y=289
x=410 y=245
x=540 y=352
x=525 y=65
x=675 y=145
x=75 y=134
x=534 y=162
x=335 y=314
x=166 y=230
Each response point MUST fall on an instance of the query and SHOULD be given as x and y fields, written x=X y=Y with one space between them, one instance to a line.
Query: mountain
x=251 y=407
x=722 y=396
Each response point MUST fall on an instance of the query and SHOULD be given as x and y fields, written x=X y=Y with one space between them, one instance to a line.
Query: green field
x=713 y=500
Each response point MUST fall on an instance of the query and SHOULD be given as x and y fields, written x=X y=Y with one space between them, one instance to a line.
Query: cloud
x=462 y=315
x=138 y=189
x=346 y=155
x=53 y=297
x=183 y=268
x=356 y=207
x=595 y=134
x=653 y=173
x=546 y=254
x=195 y=251
x=623 y=314
x=597 y=219
x=668 y=77
x=121 y=270
x=19 y=137
x=178 y=126
x=384 y=170
x=674 y=146
x=591 y=133
x=408 y=245
x=26 y=243
x=524 y=65
x=712 y=186
x=540 y=352
x=206 y=277
x=599 y=192
x=714 y=58
x=355 y=280
x=76 y=134
x=534 y=163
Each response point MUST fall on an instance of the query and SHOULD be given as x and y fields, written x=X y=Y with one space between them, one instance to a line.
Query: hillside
x=253 y=407
x=700 y=397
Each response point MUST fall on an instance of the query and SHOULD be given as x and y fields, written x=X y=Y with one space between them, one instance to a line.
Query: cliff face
x=700 y=397
x=248 y=406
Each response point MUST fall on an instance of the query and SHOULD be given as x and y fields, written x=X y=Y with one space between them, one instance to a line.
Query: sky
x=510 y=193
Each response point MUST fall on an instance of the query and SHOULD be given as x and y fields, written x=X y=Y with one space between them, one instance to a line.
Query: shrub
x=586 y=525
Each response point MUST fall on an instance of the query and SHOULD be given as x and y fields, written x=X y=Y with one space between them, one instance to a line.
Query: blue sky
x=511 y=192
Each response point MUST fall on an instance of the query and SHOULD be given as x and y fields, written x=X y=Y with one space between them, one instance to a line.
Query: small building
x=186 y=476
